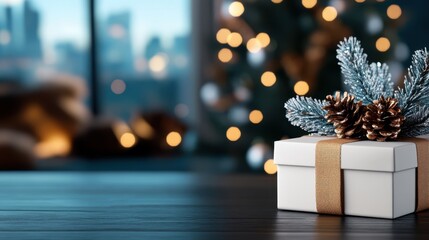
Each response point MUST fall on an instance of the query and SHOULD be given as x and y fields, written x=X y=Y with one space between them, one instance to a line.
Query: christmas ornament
x=345 y=114
x=383 y=119
x=373 y=108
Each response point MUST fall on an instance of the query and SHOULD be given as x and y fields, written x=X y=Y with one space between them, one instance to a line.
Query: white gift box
x=379 y=178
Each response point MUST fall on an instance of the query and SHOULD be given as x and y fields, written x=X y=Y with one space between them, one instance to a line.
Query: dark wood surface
x=141 y=205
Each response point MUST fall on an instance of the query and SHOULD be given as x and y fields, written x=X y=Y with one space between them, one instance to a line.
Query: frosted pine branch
x=417 y=123
x=416 y=84
x=366 y=82
x=307 y=113
x=380 y=80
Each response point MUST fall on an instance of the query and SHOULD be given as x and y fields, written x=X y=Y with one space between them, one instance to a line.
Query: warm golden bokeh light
x=127 y=140
x=225 y=55
x=268 y=79
x=173 y=139
x=233 y=134
x=329 y=14
x=54 y=146
x=158 y=63
x=309 y=3
x=118 y=86
x=143 y=129
x=256 y=116
x=382 y=44
x=253 y=45
x=276 y=1
x=234 y=39
x=301 y=88
x=264 y=39
x=270 y=167
x=236 y=9
x=222 y=35
x=394 y=11
x=359 y=1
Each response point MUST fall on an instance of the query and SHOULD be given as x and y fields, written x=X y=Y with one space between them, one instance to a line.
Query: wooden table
x=142 y=205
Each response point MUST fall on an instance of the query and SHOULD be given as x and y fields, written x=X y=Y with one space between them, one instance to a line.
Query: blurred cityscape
x=130 y=81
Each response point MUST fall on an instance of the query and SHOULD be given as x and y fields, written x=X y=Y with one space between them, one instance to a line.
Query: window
x=143 y=56
x=39 y=39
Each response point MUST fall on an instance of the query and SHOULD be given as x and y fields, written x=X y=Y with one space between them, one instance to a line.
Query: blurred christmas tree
x=269 y=51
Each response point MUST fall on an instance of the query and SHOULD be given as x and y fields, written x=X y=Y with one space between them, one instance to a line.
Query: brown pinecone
x=383 y=119
x=346 y=115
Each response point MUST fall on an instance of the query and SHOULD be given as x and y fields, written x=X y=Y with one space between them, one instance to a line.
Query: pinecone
x=383 y=119
x=346 y=115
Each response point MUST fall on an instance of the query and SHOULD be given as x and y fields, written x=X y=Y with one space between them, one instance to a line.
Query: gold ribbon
x=329 y=176
x=329 y=179
x=422 y=173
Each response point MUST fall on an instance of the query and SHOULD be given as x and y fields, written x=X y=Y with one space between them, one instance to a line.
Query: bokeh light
x=225 y=55
x=270 y=167
x=173 y=139
x=382 y=44
x=143 y=129
x=181 y=110
x=264 y=39
x=158 y=63
x=359 y=1
x=222 y=35
x=234 y=39
x=276 y=1
x=4 y=37
x=256 y=116
x=253 y=45
x=268 y=79
x=118 y=86
x=210 y=93
x=257 y=154
x=329 y=14
x=301 y=88
x=54 y=145
x=236 y=9
x=127 y=140
x=402 y=52
x=374 y=24
x=117 y=31
x=309 y=3
x=394 y=11
x=233 y=134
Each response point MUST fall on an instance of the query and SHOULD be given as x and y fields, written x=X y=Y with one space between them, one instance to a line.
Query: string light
x=233 y=134
x=382 y=44
x=225 y=55
x=127 y=140
x=234 y=39
x=394 y=11
x=277 y=1
x=264 y=39
x=301 y=88
x=309 y=3
x=329 y=14
x=222 y=35
x=173 y=139
x=253 y=45
x=236 y=9
x=118 y=86
x=256 y=116
x=270 y=167
x=268 y=79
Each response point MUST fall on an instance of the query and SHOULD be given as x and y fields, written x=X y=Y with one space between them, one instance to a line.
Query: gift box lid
x=361 y=155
